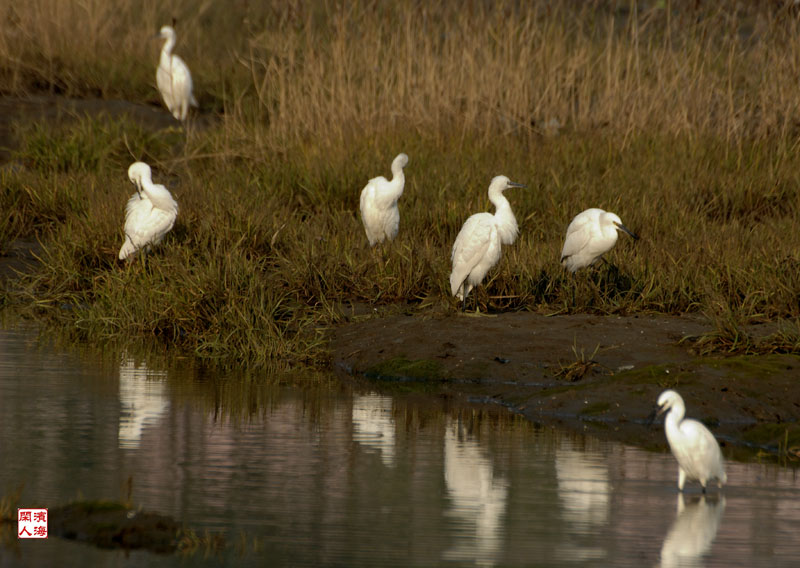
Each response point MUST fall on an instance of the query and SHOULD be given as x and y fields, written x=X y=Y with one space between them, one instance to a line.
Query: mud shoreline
x=594 y=374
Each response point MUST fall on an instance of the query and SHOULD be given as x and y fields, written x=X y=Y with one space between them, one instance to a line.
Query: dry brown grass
x=331 y=71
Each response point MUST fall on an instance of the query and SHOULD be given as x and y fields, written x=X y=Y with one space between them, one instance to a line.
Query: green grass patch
x=784 y=437
x=753 y=365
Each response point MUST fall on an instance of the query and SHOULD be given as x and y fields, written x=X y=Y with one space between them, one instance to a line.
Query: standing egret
x=173 y=78
x=477 y=246
x=692 y=444
x=590 y=235
x=379 y=203
x=149 y=214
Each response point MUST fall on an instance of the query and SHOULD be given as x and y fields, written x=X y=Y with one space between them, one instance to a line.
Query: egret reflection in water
x=142 y=397
x=478 y=498
x=584 y=493
x=373 y=425
x=693 y=532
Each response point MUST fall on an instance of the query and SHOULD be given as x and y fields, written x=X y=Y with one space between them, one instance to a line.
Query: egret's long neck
x=504 y=217
x=672 y=423
x=158 y=195
x=166 y=51
x=397 y=172
x=398 y=181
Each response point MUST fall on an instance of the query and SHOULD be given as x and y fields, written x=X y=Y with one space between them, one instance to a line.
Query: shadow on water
x=315 y=472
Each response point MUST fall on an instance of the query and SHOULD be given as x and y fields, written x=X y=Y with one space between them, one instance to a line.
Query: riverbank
x=594 y=374
x=660 y=116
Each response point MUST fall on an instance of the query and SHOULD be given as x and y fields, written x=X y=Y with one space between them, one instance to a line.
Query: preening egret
x=173 y=78
x=590 y=235
x=149 y=214
x=379 y=203
x=692 y=444
x=477 y=246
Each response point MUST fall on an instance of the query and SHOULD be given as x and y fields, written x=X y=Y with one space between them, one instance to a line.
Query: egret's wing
x=385 y=198
x=153 y=228
x=161 y=198
x=370 y=215
x=700 y=448
x=181 y=80
x=367 y=198
x=578 y=236
x=145 y=224
x=164 y=82
x=471 y=245
x=698 y=438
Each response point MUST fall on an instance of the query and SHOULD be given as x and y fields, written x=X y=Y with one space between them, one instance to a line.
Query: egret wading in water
x=173 y=78
x=477 y=246
x=379 y=197
x=590 y=235
x=149 y=214
x=692 y=444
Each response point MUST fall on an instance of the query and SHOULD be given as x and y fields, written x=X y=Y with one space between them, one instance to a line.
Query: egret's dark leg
x=574 y=291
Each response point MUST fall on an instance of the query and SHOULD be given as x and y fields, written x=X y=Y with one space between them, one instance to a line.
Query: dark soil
x=598 y=374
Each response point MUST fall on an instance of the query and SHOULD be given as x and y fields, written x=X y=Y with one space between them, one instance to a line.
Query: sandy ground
x=599 y=374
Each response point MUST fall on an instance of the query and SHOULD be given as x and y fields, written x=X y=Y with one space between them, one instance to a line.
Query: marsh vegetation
x=681 y=119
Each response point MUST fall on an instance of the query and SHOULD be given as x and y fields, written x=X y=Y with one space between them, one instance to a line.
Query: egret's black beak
x=627 y=230
x=657 y=411
x=138 y=187
x=515 y=184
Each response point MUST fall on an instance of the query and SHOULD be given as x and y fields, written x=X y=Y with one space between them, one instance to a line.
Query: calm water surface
x=340 y=476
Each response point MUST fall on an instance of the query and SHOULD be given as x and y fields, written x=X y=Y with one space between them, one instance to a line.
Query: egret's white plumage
x=590 y=235
x=149 y=214
x=477 y=246
x=173 y=78
x=379 y=203
x=692 y=444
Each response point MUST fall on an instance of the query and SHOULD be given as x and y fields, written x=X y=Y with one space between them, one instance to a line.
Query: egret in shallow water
x=173 y=78
x=590 y=235
x=477 y=246
x=149 y=214
x=692 y=444
x=379 y=203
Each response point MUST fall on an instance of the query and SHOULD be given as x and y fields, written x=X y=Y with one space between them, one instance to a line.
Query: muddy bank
x=598 y=374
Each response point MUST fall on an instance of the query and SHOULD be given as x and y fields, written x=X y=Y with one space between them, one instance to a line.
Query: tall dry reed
x=329 y=71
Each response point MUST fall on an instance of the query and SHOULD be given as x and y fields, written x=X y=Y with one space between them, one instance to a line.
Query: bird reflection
x=583 y=489
x=373 y=425
x=693 y=531
x=478 y=498
x=142 y=397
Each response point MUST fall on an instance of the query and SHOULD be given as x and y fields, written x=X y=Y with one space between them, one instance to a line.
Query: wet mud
x=595 y=374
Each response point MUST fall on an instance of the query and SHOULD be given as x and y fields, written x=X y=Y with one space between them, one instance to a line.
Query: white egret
x=149 y=214
x=590 y=235
x=379 y=203
x=173 y=78
x=692 y=444
x=477 y=246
